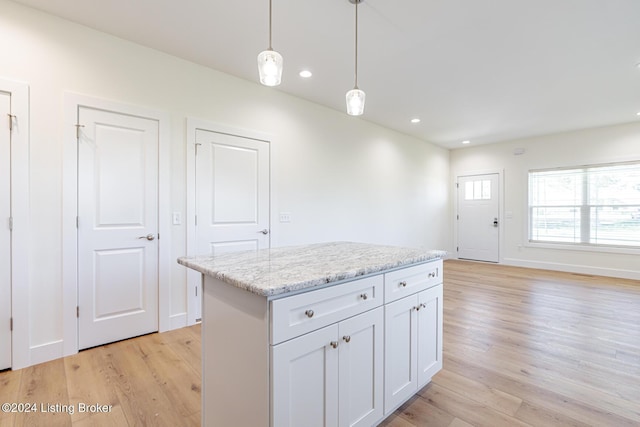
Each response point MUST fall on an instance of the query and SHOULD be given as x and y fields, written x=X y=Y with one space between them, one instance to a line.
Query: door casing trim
x=21 y=335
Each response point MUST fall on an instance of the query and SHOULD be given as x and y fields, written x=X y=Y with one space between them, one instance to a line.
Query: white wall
x=585 y=147
x=341 y=178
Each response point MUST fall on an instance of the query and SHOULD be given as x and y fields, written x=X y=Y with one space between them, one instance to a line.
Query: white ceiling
x=478 y=70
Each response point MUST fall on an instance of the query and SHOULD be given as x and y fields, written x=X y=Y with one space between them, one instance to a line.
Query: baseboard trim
x=573 y=268
x=177 y=321
x=46 y=352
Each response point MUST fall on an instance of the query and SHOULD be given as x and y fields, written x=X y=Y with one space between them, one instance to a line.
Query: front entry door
x=478 y=217
x=5 y=231
x=117 y=226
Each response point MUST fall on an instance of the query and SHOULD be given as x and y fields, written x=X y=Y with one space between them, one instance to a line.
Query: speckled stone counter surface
x=276 y=271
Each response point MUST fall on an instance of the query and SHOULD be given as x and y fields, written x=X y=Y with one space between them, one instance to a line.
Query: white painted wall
x=585 y=147
x=340 y=177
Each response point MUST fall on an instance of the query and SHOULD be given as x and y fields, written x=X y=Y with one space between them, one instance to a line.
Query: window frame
x=584 y=206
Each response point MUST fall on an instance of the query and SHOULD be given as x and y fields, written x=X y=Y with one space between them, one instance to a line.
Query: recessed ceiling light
x=466 y=142
x=415 y=120
x=638 y=113
x=305 y=74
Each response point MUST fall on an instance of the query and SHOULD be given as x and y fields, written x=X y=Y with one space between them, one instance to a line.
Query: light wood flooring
x=521 y=347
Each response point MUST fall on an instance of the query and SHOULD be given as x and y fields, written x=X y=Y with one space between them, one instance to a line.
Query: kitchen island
x=329 y=334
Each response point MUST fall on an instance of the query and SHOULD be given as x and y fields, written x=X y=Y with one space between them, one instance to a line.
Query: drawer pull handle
x=334 y=344
x=309 y=313
x=403 y=284
x=346 y=338
x=364 y=296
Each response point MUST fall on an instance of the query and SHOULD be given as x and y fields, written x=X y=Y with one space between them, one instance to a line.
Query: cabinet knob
x=309 y=313
x=364 y=296
x=403 y=284
x=417 y=308
x=346 y=338
x=334 y=344
x=432 y=274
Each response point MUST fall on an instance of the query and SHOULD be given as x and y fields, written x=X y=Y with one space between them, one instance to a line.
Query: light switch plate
x=177 y=218
x=285 y=216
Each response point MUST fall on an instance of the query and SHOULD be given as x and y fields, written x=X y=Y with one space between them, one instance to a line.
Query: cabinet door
x=429 y=334
x=305 y=380
x=361 y=369
x=400 y=355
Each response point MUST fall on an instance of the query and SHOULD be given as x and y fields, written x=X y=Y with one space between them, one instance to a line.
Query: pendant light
x=270 y=62
x=355 y=97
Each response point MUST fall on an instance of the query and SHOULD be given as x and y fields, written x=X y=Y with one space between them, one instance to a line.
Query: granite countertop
x=275 y=271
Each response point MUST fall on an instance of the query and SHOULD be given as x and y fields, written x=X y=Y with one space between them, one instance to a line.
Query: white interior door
x=479 y=217
x=117 y=226
x=232 y=193
x=5 y=232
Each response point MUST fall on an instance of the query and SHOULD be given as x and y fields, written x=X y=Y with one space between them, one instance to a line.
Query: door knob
x=148 y=237
x=495 y=222
x=265 y=231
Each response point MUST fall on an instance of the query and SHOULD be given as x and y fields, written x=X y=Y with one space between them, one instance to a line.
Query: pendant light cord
x=356 y=85
x=270 y=48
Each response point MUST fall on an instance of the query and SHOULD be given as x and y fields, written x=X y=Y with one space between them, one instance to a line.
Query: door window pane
x=477 y=190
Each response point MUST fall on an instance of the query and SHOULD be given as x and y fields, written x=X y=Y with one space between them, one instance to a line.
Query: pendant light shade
x=355 y=97
x=270 y=62
x=270 y=67
x=355 y=102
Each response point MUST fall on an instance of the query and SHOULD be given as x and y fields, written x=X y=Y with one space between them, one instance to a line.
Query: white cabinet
x=332 y=376
x=401 y=351
x=342 y=355
x=298 y=314
x=429 y=334
x=305 y=380
x=413 y=344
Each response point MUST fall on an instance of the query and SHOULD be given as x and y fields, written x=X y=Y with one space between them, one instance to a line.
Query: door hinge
x=11 y=324
x=78 y=311
x=196 y=219
x=457 y=185
x=10 y=223
x=457 y=217
x=457 y=249
x=11 y=117
x=78 y=126
x=77 y=222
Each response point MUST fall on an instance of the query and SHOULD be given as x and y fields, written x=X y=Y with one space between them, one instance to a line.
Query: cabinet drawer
x=407 y=281
x=306 y=312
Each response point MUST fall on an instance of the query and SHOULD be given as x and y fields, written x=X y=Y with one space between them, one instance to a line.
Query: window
x=591 y=205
